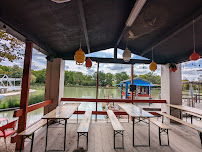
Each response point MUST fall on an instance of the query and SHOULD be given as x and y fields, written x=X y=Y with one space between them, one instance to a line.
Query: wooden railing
x=112 y=100
x=19 y=112
x=109 y=100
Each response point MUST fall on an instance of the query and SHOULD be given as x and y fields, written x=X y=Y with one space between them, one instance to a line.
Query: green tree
x=155 y=79
x=120 y=77
x=32 y=79
x=10 y=47
x=109 y=78
x=40 y=76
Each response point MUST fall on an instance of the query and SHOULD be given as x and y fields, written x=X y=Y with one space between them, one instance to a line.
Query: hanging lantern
x=126 y=55
x=79 y=57
x=172 y=67
x=88 y=63
x=153 y=66
x=194 y=56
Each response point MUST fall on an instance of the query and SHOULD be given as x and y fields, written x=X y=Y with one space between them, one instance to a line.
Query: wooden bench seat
x=30 y=132
x=192 y=114
x=162 y=128
x=84 y=127
x=184 y=123
x=118 y=129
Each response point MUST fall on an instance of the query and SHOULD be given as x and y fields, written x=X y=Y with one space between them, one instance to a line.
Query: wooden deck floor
x=182 y=138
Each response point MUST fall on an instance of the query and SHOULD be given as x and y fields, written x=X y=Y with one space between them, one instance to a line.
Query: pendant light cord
x=127 y=43
x=194 y=36
x=152 y=54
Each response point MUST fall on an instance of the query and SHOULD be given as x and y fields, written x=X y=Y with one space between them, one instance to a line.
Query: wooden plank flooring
x=182 y=138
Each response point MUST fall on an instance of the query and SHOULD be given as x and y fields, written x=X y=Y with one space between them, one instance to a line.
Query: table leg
x=32 y=142
x=77 y=114
x=149 y=130
x=46 y=136
x=133 y=131
x=65 y=134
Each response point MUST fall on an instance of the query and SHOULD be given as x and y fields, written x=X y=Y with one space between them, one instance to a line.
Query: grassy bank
x=14 y=101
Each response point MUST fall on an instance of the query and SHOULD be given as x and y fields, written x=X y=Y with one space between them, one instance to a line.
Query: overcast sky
x=189 y=69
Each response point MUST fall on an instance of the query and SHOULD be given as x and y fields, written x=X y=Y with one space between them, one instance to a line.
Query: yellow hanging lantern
x=79 y=57
x=153 y=66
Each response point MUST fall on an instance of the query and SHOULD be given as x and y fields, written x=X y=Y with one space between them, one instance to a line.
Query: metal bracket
x=82 y=134
x=161 y=130
x=121 y=132
x=27 y=136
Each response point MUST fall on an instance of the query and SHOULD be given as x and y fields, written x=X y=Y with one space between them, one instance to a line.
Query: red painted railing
x=109 y=100
x=19 y=112
x=112 y=100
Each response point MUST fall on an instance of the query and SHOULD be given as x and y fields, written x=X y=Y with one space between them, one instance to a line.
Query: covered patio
x=155 y=29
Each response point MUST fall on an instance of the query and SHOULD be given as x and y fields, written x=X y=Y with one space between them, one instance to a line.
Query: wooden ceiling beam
x=83 y=22
x=132 y=17
x=119 y=61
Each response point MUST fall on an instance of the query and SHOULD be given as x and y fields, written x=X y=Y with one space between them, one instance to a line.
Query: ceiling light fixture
x=194 y=56
x=60 y=1
x=135 y=11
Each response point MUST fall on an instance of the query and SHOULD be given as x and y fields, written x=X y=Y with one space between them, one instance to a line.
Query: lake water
x=77 y=92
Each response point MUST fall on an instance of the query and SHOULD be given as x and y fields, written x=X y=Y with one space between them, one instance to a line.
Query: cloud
x=189 y=69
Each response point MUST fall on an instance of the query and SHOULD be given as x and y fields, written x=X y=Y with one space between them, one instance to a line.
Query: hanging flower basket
x=172 y=67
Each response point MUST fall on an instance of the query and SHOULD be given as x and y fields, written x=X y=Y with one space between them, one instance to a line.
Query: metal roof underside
x=57 y=27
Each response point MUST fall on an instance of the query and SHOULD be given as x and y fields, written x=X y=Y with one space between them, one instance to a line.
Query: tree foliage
x=10 y=47
x=155 y=79
x=78 y=78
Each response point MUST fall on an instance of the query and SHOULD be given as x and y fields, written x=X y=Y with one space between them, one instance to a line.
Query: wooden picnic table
x=135 y=113
x=62 y=112
x=186 y=108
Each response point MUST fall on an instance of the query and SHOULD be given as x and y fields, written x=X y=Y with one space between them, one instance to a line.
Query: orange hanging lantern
x=194 y=56
x=88 y=63
x=79 y=57
x=153 y=66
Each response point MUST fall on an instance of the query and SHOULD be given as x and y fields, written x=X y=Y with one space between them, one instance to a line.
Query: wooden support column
x=97 y=88
x=54 y=87
x=25 y=90
x=132 y=81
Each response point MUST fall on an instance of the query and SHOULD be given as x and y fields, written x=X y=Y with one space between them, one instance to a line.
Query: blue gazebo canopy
x=136 y=81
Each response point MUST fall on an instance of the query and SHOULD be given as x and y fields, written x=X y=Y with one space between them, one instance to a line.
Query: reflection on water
x=31 y=116
x=76 y=92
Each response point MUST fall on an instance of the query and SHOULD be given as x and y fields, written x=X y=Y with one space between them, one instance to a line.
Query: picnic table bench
x=118 y=129
x=185 y=108
x=84 y=127
x=192 y=114
x=162 y=128
x=184 y=123
x=30 y=132
x=142 y=116
x=62 y=112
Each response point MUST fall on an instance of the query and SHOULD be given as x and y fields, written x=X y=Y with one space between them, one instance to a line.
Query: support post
x=171 y=89
x=25 y=91
x=115 y=53
x=121 y=91
x=54 y=87
x=132 y=81
x=97 y=88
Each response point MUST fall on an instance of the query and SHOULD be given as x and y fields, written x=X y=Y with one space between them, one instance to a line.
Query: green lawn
x=14 y=101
